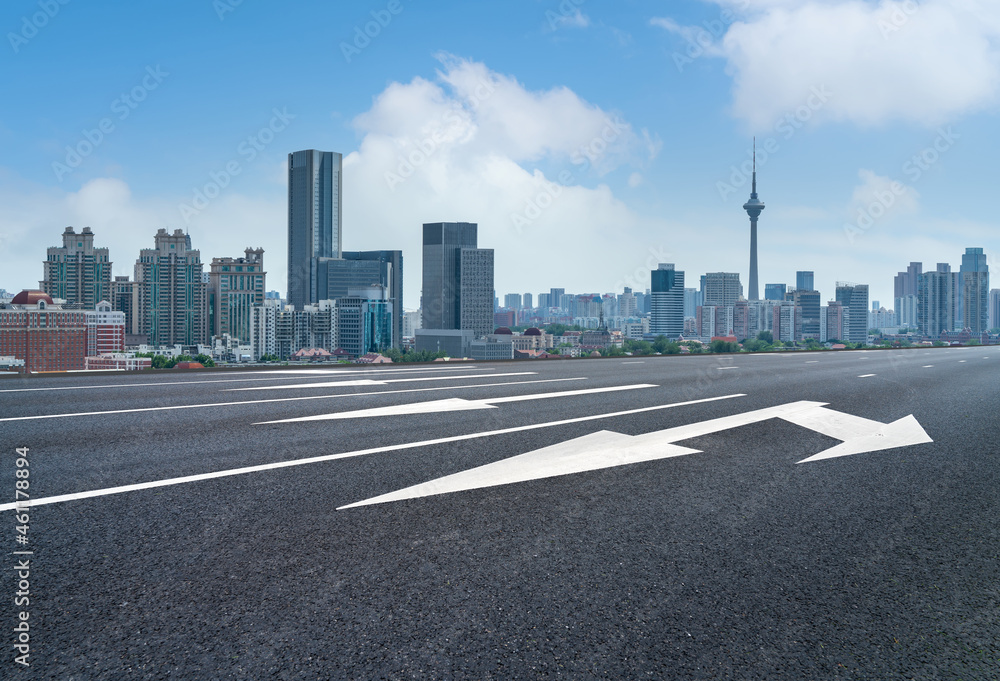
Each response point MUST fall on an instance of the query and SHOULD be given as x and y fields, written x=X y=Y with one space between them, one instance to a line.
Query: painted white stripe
x=928 y=366
x=633 y=362
x=726 y=368
x=42 y=501
x=364 y=382
x=866 y=375
x=815 y=361
x=450 y=405
x=280 y=399
x=272 y=377
x=962 y=361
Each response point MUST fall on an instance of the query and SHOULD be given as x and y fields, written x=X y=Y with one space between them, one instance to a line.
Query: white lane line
x=866 y=375
x=814 y=361
x=633 y=362
x=928 y=366
x=369 y=382
x=280 y=399
x=452 y=404
x=41 y=501
x=962 y=361
x=238 y=380
x=726 y=368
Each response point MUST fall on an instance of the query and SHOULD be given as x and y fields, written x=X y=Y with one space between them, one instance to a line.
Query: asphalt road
x=733 y=562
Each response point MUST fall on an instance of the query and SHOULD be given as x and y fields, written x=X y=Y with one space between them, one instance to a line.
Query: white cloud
x=894 y=60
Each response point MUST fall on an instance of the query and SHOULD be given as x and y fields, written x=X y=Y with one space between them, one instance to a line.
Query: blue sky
x=590 y=140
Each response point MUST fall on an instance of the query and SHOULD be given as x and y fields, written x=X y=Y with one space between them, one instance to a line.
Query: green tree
x=766 y=336
x=204 y=360
x=720 y=345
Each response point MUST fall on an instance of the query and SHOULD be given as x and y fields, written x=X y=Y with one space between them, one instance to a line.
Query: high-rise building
x=361 y=270
x=908 y=283
x=476 y=291
x=936 y=311
x=855 y=298
x=975 y=291
x=753 y=207
x=775 y=291
x=908 y=311
x=556 y=296
x=105 y=330
x=172 y=291
x=628 y=306
x=994 y=308
x=528 y=302
x=235 y=287
x=807 y=316
x=804 y=280
x=692 y=299
x=364 y=321
x=457 y=279
x=667 y=301
x=315 y=195
x=722 y=288
x=125 y=298
x=77 y=272
x=512 y=301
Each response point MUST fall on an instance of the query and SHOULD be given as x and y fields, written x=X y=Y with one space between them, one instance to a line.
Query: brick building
x=41 y=333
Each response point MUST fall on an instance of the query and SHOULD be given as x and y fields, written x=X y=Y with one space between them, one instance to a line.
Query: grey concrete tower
x=753 y=207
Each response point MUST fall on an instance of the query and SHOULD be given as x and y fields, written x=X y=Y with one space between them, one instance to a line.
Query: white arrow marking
x=606 y=449
x=451 y=404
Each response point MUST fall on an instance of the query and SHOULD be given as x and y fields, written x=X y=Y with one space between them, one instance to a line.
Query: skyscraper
x=936 y=306
x=77 y=272
x=855 y=298
x=457 y=279
x=808 y=303
x=975 y=290
x=908 y=283
x=314 y=220
x=172 y=292
x=722 y=288
x=753 y=207
x=528 y=302
x=805 y=280
x=667 y=305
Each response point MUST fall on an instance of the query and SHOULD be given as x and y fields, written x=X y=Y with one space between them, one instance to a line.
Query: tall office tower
x=775 y=291
x=77 y=272
x=959 y=300
x=908 y=283
x=805 y=281
x=512 y=301
x=994 y=308
x=753 y=207
x=808 y=303
x=667 y=306
x=692 y=299
x=363 y=269
x=235 y=287
x=855 y=297
x=543 y=301
x=838 y=323
x=936 y=312
x=975 y=291
x=457 y=279
x=476 y=293
x=528 y=302
x=172 y=291
x=722 y=288
x=315 y=192
x=908 y=311
x=365 y=321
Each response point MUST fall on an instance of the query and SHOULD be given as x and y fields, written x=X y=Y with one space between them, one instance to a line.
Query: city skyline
x=427 y=121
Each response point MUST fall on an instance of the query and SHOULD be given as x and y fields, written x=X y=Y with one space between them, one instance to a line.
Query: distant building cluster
x=348 y=305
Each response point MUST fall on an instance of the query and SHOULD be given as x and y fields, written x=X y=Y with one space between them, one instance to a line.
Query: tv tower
x=753 y=207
